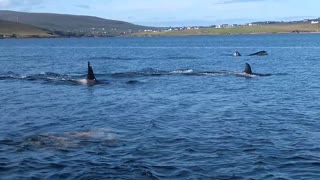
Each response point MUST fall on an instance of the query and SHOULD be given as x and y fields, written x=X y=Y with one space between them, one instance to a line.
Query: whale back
x=260 y=53
x=247 y=69
x=90 y=75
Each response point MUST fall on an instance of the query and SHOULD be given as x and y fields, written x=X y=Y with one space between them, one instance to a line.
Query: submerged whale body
x=91 y=79
x=260 y=53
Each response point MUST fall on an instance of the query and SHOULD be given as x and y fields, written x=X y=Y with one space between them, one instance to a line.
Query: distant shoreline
x=150 y=35
x=177 y=35
x=239 y=30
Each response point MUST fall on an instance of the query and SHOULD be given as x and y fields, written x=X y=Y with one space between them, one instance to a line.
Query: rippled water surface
x=168 y=108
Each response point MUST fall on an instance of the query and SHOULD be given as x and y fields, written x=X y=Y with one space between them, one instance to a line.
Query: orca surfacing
x=260 y=53
x=91 y=79
x=247 y=72
x=236 y=53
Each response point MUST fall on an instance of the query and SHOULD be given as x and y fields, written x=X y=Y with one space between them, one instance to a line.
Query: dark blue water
x=168 y=108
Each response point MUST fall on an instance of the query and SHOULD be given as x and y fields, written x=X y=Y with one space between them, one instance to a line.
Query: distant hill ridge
x=10 y=29
x=76 y=24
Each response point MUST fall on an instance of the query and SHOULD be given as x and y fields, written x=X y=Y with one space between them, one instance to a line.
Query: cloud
x=4 y=3
x=131 y=17
x=82 y=6
x=20 y=4
x=159 y=6
x=238 y=1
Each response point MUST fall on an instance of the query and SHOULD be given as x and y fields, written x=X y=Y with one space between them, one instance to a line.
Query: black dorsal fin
x=90 y=75
x=247 y=69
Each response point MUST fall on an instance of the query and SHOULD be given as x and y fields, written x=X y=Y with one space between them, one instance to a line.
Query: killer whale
x=259 y=53
x=91 y=79
x=236 y=53
x=247 y=72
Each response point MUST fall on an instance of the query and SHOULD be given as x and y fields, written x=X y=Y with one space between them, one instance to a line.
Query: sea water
x=168 y=108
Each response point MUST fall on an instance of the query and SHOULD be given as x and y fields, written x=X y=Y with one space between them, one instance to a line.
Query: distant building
x=314 y=22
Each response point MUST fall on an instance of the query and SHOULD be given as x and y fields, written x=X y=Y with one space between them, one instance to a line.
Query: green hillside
x=256 y=29
x=18 y=30
x=63 y=25
x=72 y=23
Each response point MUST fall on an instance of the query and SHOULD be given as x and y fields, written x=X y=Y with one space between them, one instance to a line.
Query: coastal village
x=306 y=21
x=103 y=31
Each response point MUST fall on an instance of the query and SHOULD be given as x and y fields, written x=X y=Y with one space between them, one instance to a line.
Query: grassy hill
x=72 y=23
x=18 y=30
x=256 y=29
x=78 y=26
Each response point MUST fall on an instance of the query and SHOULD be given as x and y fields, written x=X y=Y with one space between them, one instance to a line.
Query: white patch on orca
x=243 y=74
x=86 y=82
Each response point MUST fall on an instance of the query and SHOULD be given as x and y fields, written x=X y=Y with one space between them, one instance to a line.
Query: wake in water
x=46 y=77
x=247 y=72
x=64 y=140
x=50 y=77
x=154 y=72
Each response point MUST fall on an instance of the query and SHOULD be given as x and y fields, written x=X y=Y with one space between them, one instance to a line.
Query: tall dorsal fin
x=247 y=69
x=90 y=75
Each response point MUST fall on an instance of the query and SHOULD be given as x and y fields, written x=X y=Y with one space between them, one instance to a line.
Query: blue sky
x=175 y=12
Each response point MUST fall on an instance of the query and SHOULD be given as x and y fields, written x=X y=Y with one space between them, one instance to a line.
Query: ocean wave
x=183 y=57
x=182 y=71
x=111 y=58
